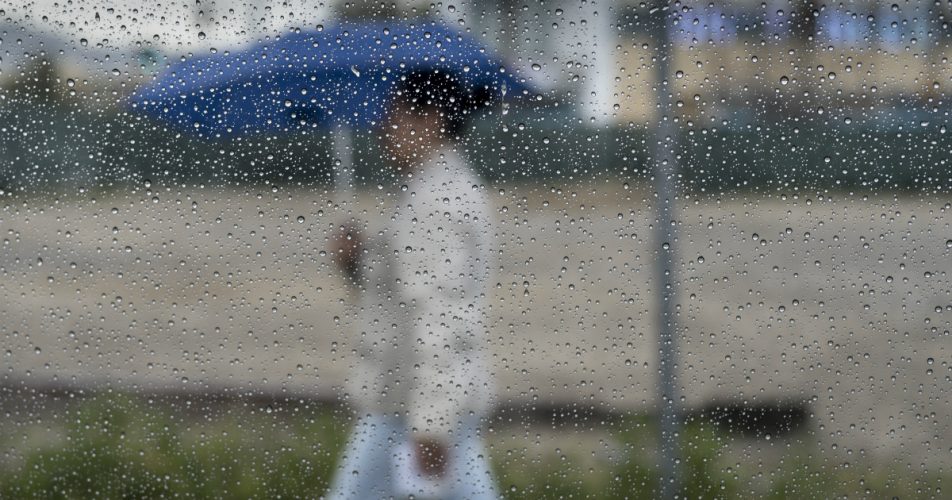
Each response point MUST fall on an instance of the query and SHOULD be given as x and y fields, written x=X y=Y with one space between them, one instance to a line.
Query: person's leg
x=470 y=475
x=365 y=470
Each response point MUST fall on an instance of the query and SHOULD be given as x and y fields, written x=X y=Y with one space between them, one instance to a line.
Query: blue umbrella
x=342 y=75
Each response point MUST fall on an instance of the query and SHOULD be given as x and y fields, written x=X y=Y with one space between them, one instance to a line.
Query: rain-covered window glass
x=471 y=250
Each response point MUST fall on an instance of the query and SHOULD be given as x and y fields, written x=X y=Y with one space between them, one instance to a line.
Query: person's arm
x=345 y=248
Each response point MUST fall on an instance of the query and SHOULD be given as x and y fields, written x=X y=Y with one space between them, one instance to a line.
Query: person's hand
x=431 y=456
x=345 y=248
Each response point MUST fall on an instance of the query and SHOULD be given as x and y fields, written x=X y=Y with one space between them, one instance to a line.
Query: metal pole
x=666 y=238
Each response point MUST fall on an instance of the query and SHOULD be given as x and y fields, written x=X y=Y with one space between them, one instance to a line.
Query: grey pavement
x=843 y=303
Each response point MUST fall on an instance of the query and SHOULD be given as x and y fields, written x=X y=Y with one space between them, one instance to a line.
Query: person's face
x=410 y=133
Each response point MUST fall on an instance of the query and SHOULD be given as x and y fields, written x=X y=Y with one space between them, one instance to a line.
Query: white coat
x=421 y=318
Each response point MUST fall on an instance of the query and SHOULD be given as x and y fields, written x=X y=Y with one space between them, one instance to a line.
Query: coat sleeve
x=439 y=267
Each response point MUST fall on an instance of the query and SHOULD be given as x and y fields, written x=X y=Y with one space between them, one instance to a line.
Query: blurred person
x=422 y=383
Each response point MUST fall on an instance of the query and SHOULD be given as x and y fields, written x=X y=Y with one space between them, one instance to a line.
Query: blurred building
x=596 y=55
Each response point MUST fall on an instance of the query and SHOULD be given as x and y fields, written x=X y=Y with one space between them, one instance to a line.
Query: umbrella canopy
x=342 y=75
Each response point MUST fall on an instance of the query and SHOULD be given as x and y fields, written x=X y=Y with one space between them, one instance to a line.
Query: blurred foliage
x=717 y=464
x=118 y=446
x=121 y=446
x=59 y=146
x=39 y=83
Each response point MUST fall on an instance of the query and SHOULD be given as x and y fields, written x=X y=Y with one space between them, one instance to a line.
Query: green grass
x=716 y=464
x=113 y=445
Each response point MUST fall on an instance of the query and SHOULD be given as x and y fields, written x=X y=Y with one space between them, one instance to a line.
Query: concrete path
x=844 y=303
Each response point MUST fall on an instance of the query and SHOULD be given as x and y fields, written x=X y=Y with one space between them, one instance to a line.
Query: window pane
x=600 y=249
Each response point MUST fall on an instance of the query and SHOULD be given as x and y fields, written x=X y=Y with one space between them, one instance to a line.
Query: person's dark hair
x=442 y=92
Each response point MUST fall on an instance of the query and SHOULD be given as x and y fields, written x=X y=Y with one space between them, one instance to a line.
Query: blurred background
x=172 y=325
